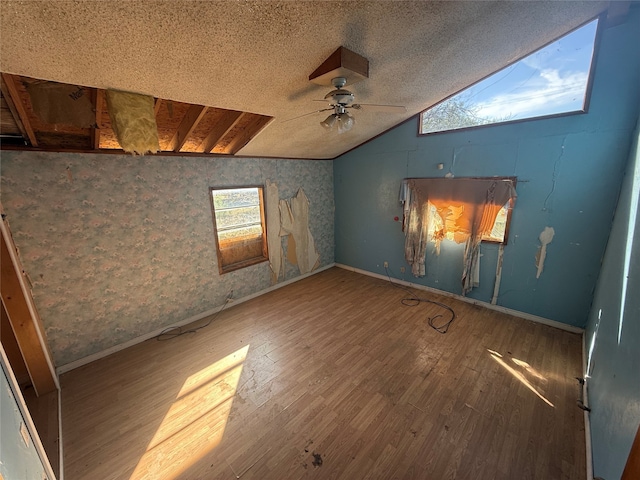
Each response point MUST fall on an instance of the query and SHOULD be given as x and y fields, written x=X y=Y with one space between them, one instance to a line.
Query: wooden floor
x=332 y=377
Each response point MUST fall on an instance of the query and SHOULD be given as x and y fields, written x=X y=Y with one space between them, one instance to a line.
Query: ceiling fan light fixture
x=329 y=122
x=345 y=122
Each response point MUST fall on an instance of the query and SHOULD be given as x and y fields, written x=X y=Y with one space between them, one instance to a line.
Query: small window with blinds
x=239 y=226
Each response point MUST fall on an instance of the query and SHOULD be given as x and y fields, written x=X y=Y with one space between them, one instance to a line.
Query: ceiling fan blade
x=306 y=114
x=380 y=108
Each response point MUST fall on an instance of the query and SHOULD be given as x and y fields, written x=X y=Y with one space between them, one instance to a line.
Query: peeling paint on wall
x=276 y=256
x=291 y=250
x=290 y=219
x=546 y=236
x=294 y=222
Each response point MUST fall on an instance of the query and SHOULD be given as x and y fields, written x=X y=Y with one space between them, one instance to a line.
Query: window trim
x=587 y=93
x=264 y=257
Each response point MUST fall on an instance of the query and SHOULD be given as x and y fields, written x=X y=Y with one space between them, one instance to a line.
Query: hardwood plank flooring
x=333 y=378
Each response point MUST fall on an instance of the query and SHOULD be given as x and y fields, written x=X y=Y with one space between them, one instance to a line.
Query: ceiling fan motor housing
x=340 y=96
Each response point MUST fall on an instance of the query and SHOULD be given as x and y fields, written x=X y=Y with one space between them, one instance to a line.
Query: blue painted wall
x=613 y=335
x=570 y=170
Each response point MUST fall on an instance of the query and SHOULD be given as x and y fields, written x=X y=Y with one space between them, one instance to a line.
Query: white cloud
x=537 y=60
x=551 y=92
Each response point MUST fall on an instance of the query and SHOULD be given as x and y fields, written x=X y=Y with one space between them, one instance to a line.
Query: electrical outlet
x=402 y=269
x=386 y=264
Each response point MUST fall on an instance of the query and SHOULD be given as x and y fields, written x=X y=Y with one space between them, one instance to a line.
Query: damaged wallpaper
x=119 y=246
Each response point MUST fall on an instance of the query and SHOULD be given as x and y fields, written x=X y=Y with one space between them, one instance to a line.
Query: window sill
x=245 y=263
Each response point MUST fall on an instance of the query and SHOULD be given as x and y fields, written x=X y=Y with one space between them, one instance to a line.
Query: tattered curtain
x=476 y=202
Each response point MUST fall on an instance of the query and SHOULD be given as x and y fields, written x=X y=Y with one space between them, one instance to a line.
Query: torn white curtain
x=274 y=244
x=294 y=220
x=471 y=264
x=481 y=198
x=416 y=228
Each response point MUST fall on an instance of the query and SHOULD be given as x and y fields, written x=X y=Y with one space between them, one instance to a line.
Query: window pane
x=499 y=227
x=235 y=197
x=236 y=217
x=550 y=81
x=444 y=228
x=251 y=231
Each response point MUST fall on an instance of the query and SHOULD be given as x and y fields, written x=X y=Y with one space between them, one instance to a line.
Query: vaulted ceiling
x=256 y=57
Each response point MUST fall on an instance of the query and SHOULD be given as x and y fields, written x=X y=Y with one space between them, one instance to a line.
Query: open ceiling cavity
x=53 y=116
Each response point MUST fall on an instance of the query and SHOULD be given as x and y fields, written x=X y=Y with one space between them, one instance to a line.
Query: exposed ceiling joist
x=98 y=101
x=229 y=120
x=13 y=119
x=156 y=106
x=13 y=98
x=182 y=127
x=187 y=126
x=242 y=138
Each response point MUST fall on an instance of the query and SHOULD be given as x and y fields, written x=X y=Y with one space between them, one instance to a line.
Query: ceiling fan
x=341 y=101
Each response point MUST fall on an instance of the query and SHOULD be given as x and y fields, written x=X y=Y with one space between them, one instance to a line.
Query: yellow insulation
x=133 y=121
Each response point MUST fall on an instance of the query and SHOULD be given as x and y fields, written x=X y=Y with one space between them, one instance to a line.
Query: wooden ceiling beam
x=12 y=108
x=156 y=106
x=98 y=102
x=25 y=322
x=251 y=130
x=187 y=126
x=229 y=120
x=12 y=96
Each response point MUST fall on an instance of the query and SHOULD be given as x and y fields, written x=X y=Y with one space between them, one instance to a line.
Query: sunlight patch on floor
x=529 y=369
x=195 y=422
x=498 y=358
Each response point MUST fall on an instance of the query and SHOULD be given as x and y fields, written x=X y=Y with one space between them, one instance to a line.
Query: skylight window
x=551 y=81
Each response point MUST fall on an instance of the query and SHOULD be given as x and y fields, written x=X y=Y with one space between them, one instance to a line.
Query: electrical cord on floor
x=173 y=332
x=414 y=301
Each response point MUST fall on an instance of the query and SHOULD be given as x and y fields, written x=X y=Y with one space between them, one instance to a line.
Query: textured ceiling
x=256 y=56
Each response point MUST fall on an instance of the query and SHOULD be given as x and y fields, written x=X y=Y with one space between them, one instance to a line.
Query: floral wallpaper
x=118 y=246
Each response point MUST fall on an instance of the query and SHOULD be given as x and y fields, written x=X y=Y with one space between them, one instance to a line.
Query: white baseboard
x=134 y=341
x=509 y=311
